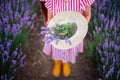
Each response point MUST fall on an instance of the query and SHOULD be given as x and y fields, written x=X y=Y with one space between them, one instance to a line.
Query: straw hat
x=80 y=33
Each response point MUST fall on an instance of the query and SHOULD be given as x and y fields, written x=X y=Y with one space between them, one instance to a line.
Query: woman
x=54 y=7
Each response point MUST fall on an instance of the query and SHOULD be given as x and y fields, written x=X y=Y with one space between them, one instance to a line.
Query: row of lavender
x=15 y=17
x=106 y=32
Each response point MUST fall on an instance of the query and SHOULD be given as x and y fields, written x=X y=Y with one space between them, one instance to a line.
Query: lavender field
x=105 y=46
x=18 y=19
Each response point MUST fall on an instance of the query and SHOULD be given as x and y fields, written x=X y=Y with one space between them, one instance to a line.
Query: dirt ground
x=39 y=66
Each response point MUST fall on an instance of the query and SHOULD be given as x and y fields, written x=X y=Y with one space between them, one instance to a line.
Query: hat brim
x=82 y=28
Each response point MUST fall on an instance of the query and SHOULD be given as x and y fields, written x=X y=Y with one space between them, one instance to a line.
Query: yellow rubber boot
x=66 y=69
x=57 y=68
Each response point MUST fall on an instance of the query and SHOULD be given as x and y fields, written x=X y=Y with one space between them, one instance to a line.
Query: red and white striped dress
x=57 y=6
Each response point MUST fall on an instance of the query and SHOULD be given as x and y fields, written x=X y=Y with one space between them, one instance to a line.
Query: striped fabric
x=67 y=55
x=71 y=5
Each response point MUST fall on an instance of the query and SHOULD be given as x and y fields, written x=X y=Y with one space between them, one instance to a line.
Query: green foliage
x=64 y=30
x=20 y=39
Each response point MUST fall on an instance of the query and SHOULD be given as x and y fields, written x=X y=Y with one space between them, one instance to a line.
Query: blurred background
x=21 y=56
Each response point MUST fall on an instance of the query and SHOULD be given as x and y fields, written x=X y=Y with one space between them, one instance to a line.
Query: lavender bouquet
x=60 y=32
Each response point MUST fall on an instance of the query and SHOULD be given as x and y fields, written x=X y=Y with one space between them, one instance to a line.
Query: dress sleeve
x=88 y=2
x=48 y=4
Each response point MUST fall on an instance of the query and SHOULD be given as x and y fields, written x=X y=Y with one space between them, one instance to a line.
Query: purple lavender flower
x=26 y=18
x=48 y=38
x=1 y=77
x=22 y=58
x=107 y=26
x=112 y=43
x=34 y=1
x=97 y=48
x=2 y=47
x=7 y=29
x=14 y=70
x=105 y=45
x=14 y=30
x=5 y=20
x=17 y=16
x=98 y=69
x=57 y=41
x=111 y=56
x=14 y=54
x=104 y=67
x=100 y=51
x=42 y=32
x=9 y=43
x=106 y=40
x=117 y=48
x=14 y=62
x=29 y=23
x=107 y=75
x=102 y=16
x=114 y=60
x=107 y=34
x=111 y=70
x=118 y=75
x=68 y=41
x=33 y=16
x=102 y=59
x=12 y=78
x=107 y=61
x=22 y=64
x=5 y=56
x=99 y=79
x=112 y=23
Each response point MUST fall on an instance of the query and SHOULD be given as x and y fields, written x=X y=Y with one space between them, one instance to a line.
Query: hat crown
x=65 y=29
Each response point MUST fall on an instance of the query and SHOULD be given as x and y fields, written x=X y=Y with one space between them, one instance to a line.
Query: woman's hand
x=49 y=15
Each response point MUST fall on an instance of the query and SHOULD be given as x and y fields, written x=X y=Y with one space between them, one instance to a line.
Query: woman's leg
x=57 y=68
x=66 y=69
